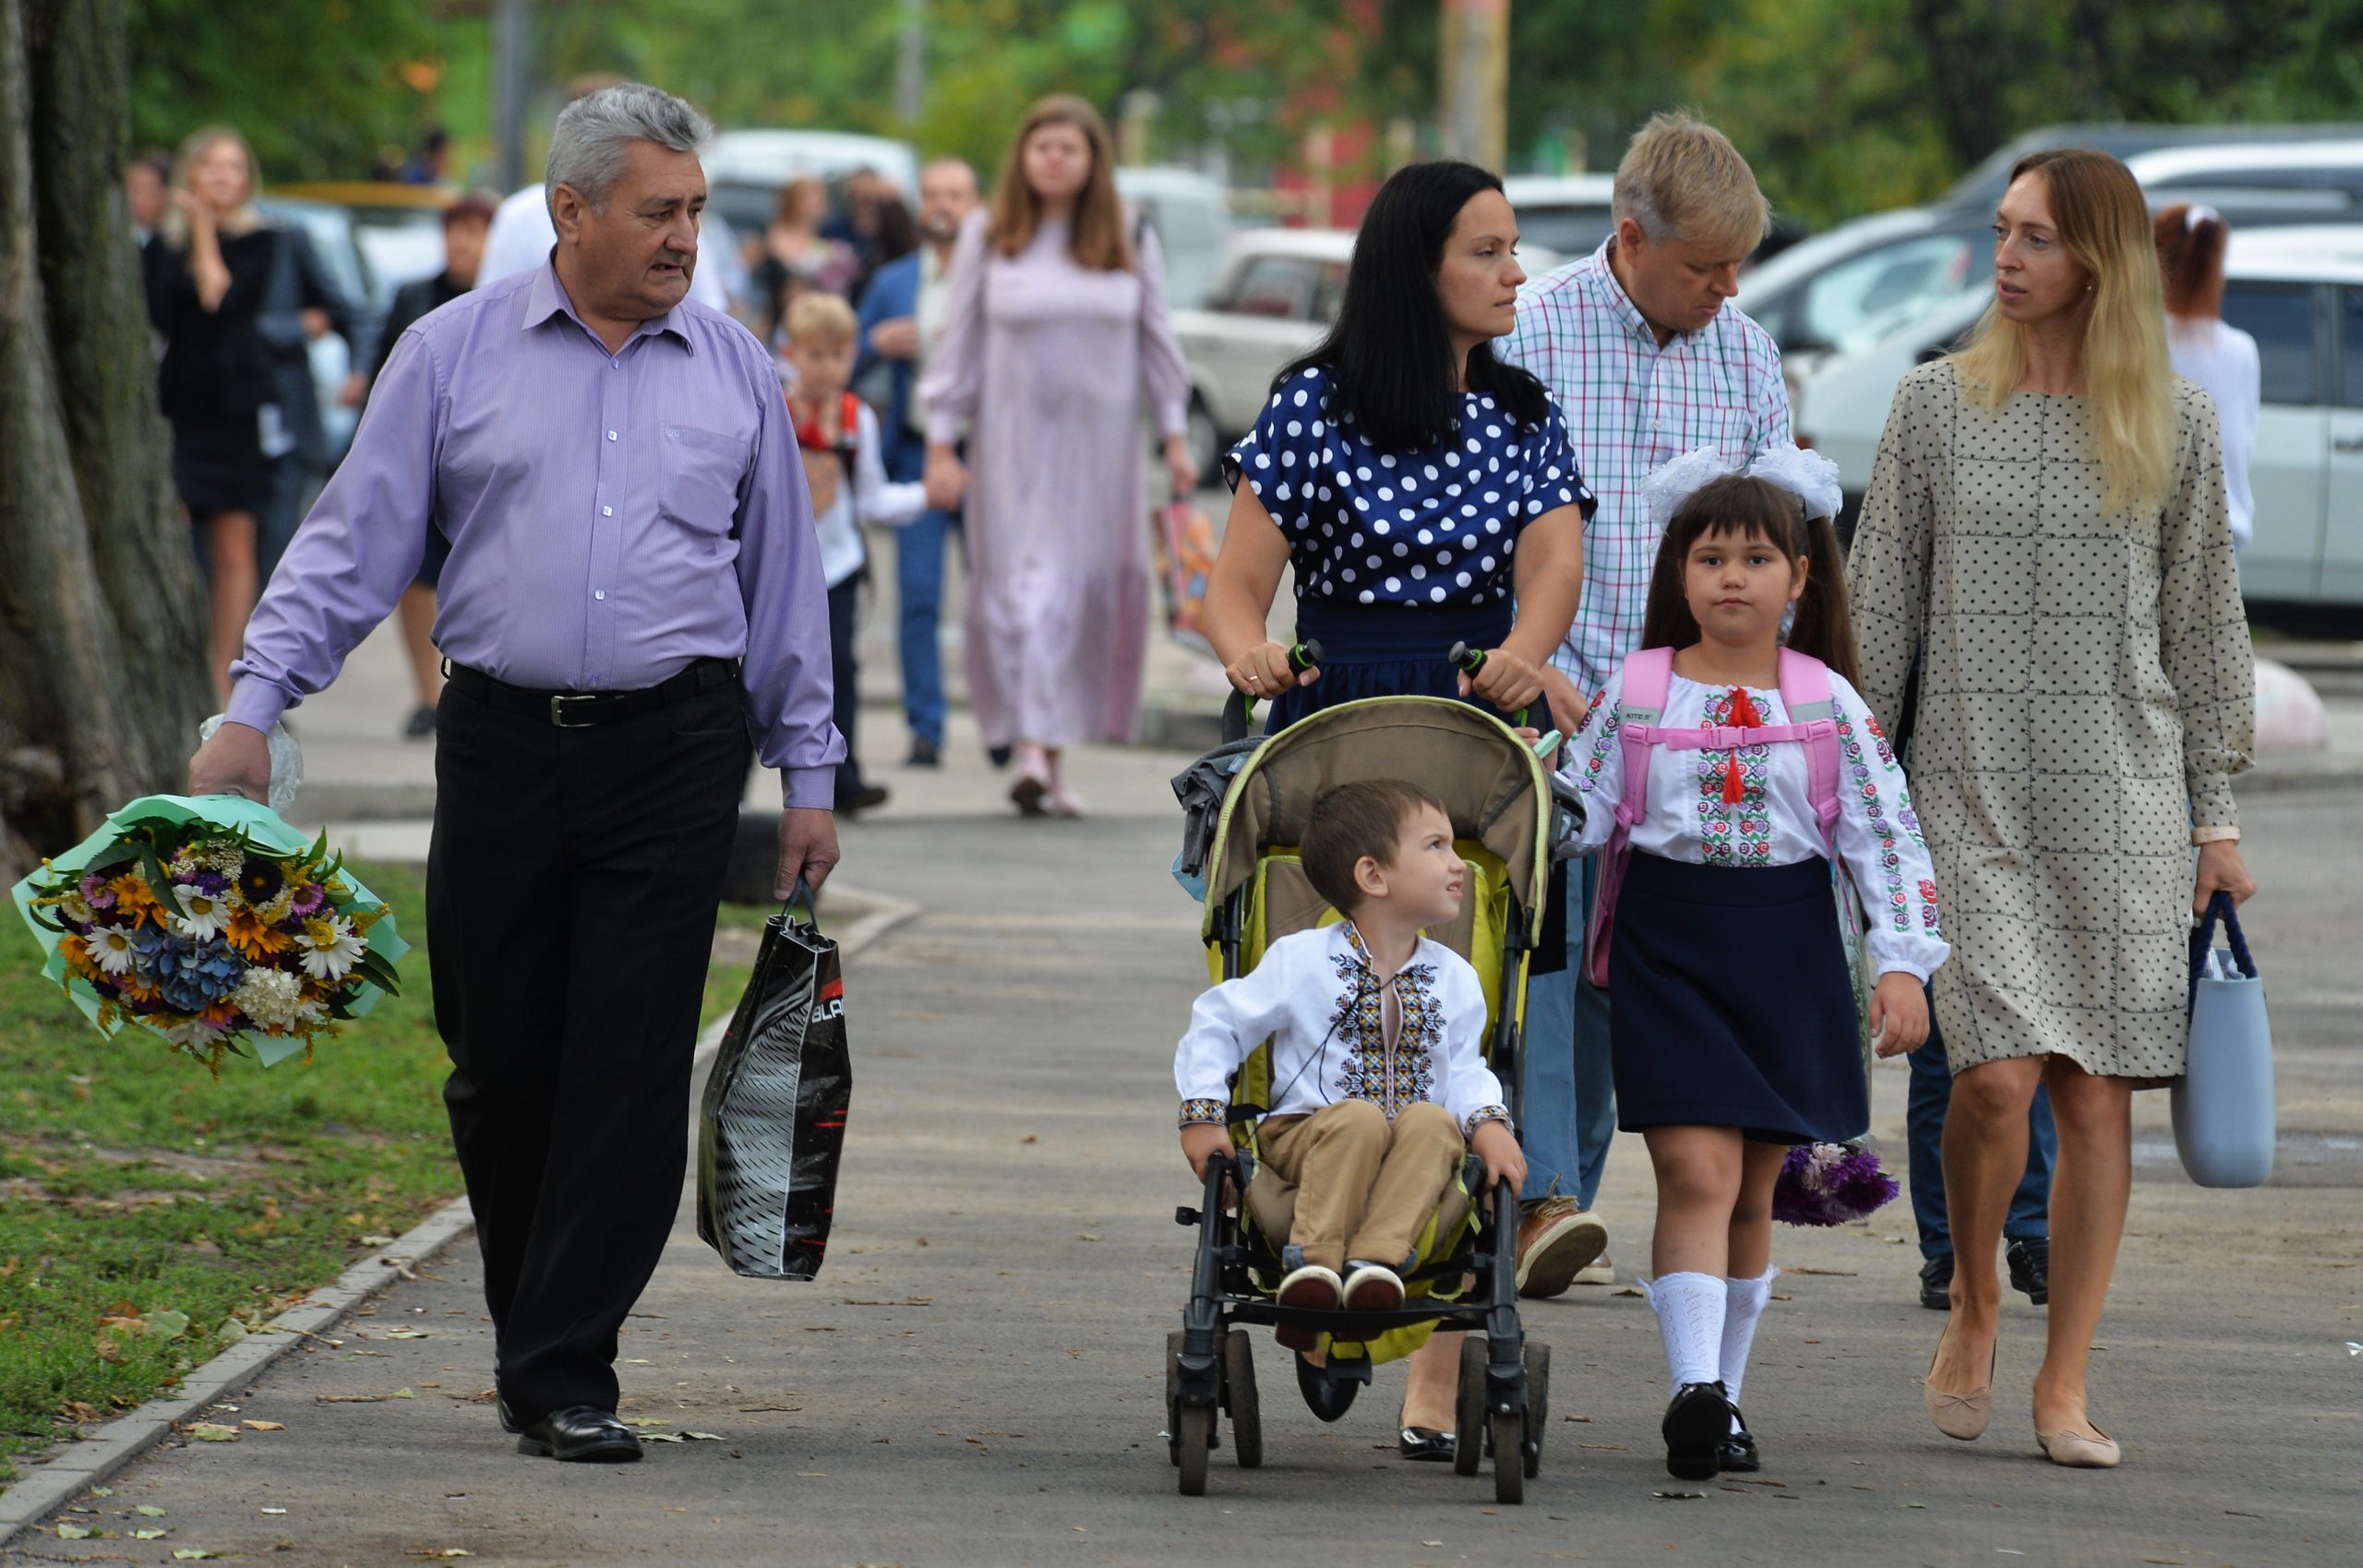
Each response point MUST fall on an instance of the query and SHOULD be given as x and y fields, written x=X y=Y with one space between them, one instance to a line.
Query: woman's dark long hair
x=1756 y=509
x=1390 y=354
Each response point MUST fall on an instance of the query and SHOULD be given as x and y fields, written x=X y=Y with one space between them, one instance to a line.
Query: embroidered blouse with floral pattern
x=1692 y=816
x=1317 y=998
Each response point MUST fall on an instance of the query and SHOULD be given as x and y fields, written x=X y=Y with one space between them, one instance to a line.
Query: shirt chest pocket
x=698 y=472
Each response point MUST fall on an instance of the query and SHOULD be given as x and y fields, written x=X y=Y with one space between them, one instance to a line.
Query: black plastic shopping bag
x=774 y=1119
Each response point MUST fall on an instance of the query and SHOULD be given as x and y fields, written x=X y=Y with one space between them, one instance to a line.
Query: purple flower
x=96 y=895
x=308 y=899
x=212 y=883
x=1826 y=1184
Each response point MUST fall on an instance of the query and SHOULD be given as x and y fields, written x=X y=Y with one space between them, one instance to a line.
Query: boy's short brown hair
x=1349 y=822
x=822 y=320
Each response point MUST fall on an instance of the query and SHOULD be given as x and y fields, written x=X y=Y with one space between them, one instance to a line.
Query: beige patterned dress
x=2086 y=696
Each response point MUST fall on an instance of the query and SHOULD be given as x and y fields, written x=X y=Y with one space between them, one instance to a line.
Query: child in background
x=838 y=436
x=1732 y=1027
x=1379 y=1084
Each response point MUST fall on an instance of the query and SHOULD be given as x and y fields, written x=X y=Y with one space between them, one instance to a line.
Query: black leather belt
x=583 y=710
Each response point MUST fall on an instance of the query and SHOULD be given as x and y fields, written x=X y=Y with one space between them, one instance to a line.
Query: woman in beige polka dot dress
x=2045 y=535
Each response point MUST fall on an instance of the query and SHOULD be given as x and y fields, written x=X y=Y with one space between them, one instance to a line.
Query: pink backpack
x=1805 y=692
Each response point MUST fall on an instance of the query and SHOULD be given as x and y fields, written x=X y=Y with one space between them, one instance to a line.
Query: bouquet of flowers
x=1831 y=1184
x=210 y=923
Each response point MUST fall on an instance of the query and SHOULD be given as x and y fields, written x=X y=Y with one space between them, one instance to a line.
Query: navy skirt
x=1405 y=651
x=1730 y=1005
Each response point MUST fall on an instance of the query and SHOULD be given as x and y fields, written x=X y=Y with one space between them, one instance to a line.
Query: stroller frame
x=1502 y=1404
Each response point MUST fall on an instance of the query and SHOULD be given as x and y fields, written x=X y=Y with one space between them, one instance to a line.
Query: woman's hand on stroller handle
x=1496 y=1144
x=1266 y=670
x=1510 y=681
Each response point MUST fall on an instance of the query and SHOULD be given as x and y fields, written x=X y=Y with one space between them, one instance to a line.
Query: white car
x=745 y=169
x=2300 y=293
x=1190 y=213
x=1567 y=213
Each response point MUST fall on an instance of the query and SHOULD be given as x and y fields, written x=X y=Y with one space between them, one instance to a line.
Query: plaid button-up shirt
x=1630 y=406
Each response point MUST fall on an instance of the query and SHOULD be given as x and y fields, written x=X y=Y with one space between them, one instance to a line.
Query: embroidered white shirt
x=871 y=498
x=1315 y=997
x=1772 y=824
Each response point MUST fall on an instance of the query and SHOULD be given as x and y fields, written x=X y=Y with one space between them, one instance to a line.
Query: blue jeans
x=918 y=585
x=1924 y=1120
x=1569 y=1110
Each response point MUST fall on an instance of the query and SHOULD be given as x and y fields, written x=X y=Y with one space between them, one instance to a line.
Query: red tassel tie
x=1742 y=717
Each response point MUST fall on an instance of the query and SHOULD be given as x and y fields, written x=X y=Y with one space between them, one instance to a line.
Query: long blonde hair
x=1098 y=241
x=244 y=219
x=2105 y=224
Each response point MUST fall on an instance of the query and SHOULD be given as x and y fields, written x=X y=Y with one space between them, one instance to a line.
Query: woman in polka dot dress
x=1423 y=493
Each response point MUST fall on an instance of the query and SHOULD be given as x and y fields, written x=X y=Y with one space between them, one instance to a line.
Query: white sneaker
x=1312 y=1289
x=1373 y=1287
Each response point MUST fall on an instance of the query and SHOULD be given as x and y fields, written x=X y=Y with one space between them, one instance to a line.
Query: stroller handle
x=1468 y=660
x=1239 y=708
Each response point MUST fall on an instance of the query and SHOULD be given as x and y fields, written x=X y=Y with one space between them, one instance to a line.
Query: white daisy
x=202 y=916
x=272 y=998
x=330 y=948
x=75 y=907
x=110 y=949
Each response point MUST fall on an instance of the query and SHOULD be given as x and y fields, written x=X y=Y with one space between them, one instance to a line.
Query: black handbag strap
x=2202 y=937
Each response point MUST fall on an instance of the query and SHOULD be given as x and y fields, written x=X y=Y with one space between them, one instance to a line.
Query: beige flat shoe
x=2079 y=1452
x=1962 y=1417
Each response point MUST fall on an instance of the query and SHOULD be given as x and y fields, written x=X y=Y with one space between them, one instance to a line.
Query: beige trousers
x=1365 y=1186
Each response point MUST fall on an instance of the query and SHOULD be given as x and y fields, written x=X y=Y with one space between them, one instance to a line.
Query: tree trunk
x=103 y=671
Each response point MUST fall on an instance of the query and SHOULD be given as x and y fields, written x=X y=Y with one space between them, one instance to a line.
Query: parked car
x=1568 y=213
x=1190 y=213
x=2298 y=290
x=743 y=169
x=1984 y=185
x=1277 y=301
x=1843 y=292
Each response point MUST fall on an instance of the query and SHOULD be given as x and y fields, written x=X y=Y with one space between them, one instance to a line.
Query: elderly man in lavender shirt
x=634 y=589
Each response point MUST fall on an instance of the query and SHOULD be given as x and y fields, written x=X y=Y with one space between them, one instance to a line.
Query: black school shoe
x=2030 y=1263
x=1736 y=1453
x=1698 y=1421
x=1937 y=1283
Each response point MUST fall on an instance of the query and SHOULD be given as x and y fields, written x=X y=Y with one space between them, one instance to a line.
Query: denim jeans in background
x=918 y=585
x=1568 y=1116
x=1924 y=1120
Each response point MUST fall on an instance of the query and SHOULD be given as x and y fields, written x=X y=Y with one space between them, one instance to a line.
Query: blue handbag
x=2223 y=1104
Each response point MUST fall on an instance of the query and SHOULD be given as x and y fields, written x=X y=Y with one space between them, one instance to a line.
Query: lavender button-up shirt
x=613 y=518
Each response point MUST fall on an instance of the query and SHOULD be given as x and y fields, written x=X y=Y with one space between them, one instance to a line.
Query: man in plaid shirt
x=1648 y=362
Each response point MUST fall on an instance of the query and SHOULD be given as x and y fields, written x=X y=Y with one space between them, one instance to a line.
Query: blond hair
x=244 y=219
x=1096 y=240
x=821 y=320
x=1682 y=179
x=2103 y=225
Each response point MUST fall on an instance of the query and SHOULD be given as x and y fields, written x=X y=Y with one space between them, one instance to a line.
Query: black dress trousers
x=570 y=896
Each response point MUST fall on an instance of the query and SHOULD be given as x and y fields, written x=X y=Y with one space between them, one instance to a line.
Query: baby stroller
x=1248 y=803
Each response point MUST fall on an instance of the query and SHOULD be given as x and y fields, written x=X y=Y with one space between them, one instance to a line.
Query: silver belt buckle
x=558 y=710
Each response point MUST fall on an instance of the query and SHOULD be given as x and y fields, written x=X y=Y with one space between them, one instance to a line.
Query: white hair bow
x=1809 y=476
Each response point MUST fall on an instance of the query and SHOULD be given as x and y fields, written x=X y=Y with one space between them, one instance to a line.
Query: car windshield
x=1571 y=230
x=1862 y=300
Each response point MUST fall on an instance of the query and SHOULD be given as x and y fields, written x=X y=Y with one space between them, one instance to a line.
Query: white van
x=2300 y=293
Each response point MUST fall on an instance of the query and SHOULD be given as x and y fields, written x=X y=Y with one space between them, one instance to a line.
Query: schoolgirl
x=1723 y=769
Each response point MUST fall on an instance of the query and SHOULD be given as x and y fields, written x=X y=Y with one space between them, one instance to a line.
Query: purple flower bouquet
x=1831 y=1184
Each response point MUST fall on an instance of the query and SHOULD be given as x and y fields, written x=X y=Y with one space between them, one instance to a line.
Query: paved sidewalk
x=975 y=1377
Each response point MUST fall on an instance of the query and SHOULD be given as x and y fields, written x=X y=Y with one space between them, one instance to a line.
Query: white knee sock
x=1690 y=1320
x=1744 y=1302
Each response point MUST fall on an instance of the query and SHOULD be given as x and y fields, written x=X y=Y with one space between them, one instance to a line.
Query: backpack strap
x=849 y=436
x=1805 y=692
x=1640 y=702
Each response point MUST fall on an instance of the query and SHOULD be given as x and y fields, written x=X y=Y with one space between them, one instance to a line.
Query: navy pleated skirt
x=1405 y=651
x=1729 y=1004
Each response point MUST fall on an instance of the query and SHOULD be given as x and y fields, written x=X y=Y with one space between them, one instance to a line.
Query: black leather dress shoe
x=1425 y=1444
x=1937 y=1283
x=1736 y=1453
x=582 y=1433
x=1698 y=1419
x=2031 y=1268
x=509 y=1422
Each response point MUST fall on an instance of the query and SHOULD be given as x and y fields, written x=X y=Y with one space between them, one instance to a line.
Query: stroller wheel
x=1509 y=1466
x=1327 y=1397
x=1173 y=1396
x=1538 y=1405
x=1198 y=1435
x=1239 y=1394
x=1468 y=1409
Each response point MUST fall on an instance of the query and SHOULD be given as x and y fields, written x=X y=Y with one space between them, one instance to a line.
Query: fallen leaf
x=645 y=1421
x=264 y=1426
x=150 y=1510
x=447 y=1551
x=1431 y=1543
x=401 y=1393
x=1678 y=1496
x=168 y=1324
x=149 y=1535
x=1029 y=1138
x=638 y=1361
x=76 y=1532
x=374 y=1241
x=1834 y=1273
x=212 y=1431
x=410 y=1333
x=193 y=1554
x=1611 y=1447
x=273 y=1511
x=702 y=1437
x=659 y=1437
x=1915 y=1506
x=1085 y=1236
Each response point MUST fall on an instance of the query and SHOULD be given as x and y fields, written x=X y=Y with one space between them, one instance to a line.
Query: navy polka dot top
x=1429 y=528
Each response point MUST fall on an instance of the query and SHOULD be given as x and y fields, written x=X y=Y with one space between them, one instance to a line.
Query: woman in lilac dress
x=1057 y=334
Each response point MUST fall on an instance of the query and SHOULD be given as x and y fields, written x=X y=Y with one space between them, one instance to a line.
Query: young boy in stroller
x=1378 y=1060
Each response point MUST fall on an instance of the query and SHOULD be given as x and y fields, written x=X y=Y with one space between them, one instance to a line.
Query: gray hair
x=587 y=150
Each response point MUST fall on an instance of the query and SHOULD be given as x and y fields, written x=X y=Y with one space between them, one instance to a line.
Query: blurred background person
x=1056 y=335
x=301 y=304
x=901 y=319
x=855 y=224
x=898 y=236
x=466 y=222
x=433 y=164
x=795 y=247
x=147 y=191
x=205 y=270
x=2204 y=348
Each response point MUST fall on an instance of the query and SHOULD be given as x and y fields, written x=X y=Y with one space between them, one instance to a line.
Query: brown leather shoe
x=1555 y=1241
